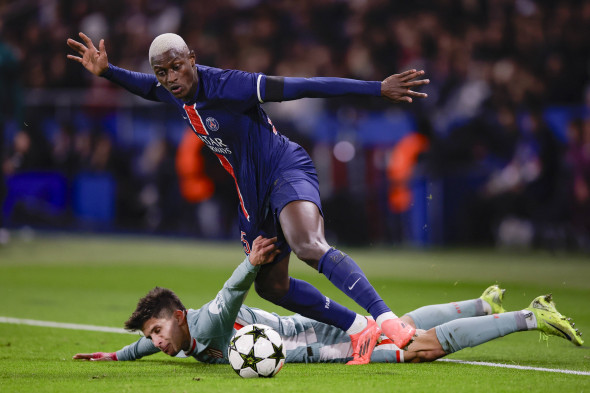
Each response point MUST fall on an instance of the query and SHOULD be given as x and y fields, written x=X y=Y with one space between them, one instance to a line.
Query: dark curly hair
x=158 y=303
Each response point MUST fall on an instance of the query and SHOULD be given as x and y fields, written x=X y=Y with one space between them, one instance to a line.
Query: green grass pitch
x=98 y=280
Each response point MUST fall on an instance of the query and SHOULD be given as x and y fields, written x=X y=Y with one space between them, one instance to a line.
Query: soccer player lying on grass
x=205 y=333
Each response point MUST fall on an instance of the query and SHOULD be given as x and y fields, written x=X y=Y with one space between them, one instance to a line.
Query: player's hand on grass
x=94 y=60
x=263 y=251
x=397 y=88
x=96 y=356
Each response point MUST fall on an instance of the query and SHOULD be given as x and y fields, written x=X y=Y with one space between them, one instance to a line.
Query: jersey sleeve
x=277 y=88
x=138 y=83
x=238 y=87
x=217 y=317
x=137 y=350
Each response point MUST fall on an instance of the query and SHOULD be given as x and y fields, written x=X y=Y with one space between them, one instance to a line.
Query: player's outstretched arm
x=96 y=356
x=398 y=87
x=94 y=60
x=218 y=316
x=140 y=348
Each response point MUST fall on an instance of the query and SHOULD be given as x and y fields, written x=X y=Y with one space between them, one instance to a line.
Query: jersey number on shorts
x=245 y=242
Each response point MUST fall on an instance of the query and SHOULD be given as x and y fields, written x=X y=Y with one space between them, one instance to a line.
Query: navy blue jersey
x=225 y=114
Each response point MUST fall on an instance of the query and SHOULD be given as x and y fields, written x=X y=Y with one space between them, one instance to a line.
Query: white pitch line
x=488 y=364
x=94 y=328
x=74 y=326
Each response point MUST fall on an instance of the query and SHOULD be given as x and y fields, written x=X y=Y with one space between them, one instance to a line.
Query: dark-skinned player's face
x=176 y=71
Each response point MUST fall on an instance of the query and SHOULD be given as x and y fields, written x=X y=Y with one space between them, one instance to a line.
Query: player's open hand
x=263 y=251
x=96 y=356
x=94 y=60
x=398 y=87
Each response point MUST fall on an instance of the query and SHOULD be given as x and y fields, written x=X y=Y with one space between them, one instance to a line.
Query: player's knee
x=409 y=320
x=310 y=252
x=272 y=292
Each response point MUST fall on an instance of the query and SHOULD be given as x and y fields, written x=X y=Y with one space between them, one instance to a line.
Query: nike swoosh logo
x=567 y=336
x=353 y=284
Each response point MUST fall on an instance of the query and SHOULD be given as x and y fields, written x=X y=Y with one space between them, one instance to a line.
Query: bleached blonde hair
x=165 y=42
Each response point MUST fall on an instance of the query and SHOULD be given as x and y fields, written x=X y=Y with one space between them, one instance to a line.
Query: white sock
x=385 y=316
x=530 y=319
x=359 y=324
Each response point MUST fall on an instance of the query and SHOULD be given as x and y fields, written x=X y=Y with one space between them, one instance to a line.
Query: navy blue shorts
x=295 y=185
x=291 y=185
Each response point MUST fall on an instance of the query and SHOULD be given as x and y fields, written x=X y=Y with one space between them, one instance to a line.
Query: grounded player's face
x=175 y=71
x=167 y=333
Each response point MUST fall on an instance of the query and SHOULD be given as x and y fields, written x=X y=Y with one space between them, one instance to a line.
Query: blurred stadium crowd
x=498 y=153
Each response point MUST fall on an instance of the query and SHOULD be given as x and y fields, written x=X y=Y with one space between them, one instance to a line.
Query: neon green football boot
x=494 y=296
x=551 y=322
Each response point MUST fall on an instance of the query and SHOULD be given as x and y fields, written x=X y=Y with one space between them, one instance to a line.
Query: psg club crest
x=212 y=124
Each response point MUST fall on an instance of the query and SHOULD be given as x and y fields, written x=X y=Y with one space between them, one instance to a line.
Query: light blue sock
x=470 y=332
x=428 y=317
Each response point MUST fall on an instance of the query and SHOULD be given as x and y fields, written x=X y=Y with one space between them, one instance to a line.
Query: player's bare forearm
x=398 y=87
x=93 y=59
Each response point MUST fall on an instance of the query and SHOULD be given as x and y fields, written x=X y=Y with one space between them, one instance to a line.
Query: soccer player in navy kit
x=275 y=178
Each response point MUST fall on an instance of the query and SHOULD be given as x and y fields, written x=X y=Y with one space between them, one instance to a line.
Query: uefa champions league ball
x=256 y=351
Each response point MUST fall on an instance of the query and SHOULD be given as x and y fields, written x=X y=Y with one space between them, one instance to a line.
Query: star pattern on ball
x=256 y=333
x=251 y=360
x=248 y=355
x=277 y=354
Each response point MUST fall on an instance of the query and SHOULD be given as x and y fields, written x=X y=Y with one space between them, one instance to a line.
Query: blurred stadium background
x=498 y=154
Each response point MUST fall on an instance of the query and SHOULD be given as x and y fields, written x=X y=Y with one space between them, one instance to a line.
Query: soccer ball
x=256 y=351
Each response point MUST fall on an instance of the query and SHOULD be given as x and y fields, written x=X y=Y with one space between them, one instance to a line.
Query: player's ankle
x=385 y=316
x=530 y=319
x=487 y=309
x=359 y=324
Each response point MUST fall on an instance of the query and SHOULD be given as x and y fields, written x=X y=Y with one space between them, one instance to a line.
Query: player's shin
x=305 y=299
x=470 y=332
x=347 y=276
x=428 y=317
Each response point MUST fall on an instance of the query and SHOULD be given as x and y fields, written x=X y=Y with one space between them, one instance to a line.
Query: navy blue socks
x=305 y=299
x=346 y=275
